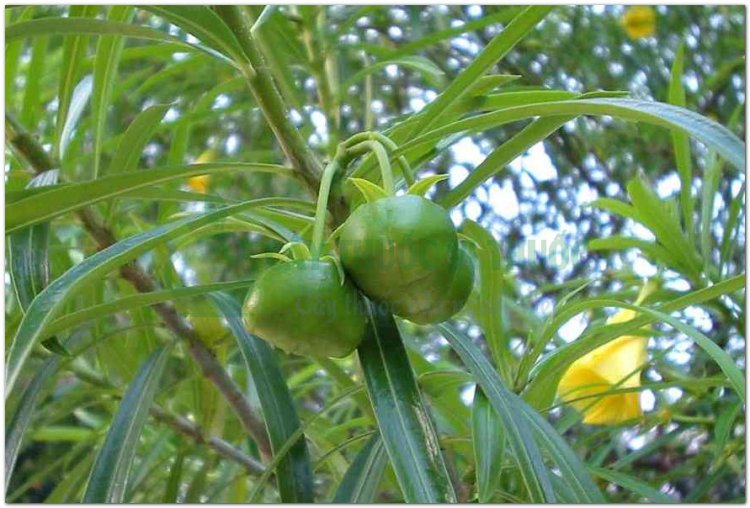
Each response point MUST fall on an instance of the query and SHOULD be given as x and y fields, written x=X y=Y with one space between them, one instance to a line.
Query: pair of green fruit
x=400 y=251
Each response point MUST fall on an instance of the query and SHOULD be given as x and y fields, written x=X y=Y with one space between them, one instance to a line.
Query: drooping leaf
x=112 y=467
x=489 y=445
x=363 y=477
x=50 y=300
x=106 y=61
x=136 y=136
x=405 y=426
x=294 y=473
x=525 y=450
x=35 y=209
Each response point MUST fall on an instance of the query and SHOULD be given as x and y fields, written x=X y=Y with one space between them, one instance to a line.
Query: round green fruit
x=456 y=295
x=403 y=251
x=302 y=308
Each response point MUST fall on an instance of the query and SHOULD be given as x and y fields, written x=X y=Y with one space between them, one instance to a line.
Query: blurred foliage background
x=691 y=443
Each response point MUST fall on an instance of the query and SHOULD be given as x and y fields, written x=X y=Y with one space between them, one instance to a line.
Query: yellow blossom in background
x=200 y=183
x=614 y=365
x=639 y=21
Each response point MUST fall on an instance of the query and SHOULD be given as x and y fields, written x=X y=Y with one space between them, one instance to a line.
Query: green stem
x=268 y=97
x=402 y=162
x=322 y=205
x=387 y=143
x=383 y=161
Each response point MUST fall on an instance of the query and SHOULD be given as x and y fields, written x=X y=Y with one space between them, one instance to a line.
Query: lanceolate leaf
x=490 y=275
x=203 y=23
x=21 y=419
x=495 y=162
x=111 y=470
x=525 y=450
x=405 y=425
x=79 y=100
x=85 y=26
x=361 y=480
x=137 y=302
x=36 y=208
x=633 y=484
x=29 y=259
x=48 y=302
x=74 y=51
x=135 y=138
x=492 y=53
x=106 y=61
x=294 y=473
x=701 y=128
x=541 y=391
x=489 y=445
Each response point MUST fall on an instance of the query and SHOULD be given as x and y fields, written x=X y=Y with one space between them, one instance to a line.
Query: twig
x=28 y=148
x=191 y=430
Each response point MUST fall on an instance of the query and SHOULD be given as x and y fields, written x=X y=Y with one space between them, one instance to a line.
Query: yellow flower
x=200 y=183
x=639 y=21
x=614 y=365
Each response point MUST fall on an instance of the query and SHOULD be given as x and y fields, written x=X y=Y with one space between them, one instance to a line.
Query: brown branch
x=29 y=149
x=193 y=431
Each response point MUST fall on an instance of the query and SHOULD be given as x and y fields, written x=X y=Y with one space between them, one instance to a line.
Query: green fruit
x=456 y=295
x=402 y=251
x=302 y=308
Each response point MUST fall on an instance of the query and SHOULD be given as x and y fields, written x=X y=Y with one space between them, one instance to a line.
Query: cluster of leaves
x=107 y=105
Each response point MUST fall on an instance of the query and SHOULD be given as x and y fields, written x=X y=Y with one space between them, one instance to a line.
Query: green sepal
x=337 y=263
x=299 y=250
x=420 y=187
x=465 y=238
x=369 y=190
x=272 y=255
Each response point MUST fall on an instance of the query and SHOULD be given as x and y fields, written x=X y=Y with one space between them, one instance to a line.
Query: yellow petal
x=199 y=183
x=639 y=21
x=617 y=364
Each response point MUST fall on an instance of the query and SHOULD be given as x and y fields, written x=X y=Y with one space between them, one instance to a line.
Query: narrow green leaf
x=136 y=136
x=432 y=73
x=489 y=445
x=172 y=489
x=420 y=187
x=31 y=108
x=35 y=209
x=106 y=61
x=109 y=475
x=525 y=450
x=491 y=273
x=13 y=52
x=28 y=250
x=20 y=420
x=494 y=51
x=699 y=127
x=405 y=425
x=204 y=24
x=370 y=191
x=294 y=472
x=541 y=391
x=74 y=52
x=723 y=429
x=632 y=484
x=495 y=162
x=681 y=143
x=710 y=187
x=79 y=100
x=52 y=298
x=78 y=26
x=138 y=301
x=361 y=481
